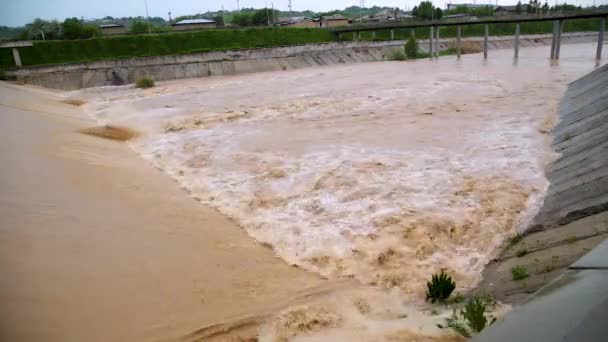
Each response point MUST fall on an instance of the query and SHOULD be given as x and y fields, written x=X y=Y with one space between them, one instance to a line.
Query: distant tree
x=72 y=28
x=263 y=17
x=90 y=31
x=242 y=19
x=438 y=13
x=518 y=8
x=545 y=8
x=219 y=20
x=415 y=11
x=139 y=27
x=425 y=10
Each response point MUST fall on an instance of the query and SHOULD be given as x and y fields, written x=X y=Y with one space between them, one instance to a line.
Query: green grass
x=86 y=50
x=519 y=273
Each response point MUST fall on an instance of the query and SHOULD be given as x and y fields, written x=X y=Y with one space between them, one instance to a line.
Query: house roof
x=510 y=8
x=194 y=22
x=334 y=17
x=111 y=25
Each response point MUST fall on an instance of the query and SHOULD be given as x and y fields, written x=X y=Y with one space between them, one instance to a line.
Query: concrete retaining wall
x=162 y=68
x=579 y=177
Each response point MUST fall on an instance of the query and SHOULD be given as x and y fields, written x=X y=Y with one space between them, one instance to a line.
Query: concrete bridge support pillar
x=392 y=34
x=517 y=27
x=17 y=57
x=554 y=38
x=437 y=43
x=340 y=37
x=431 y=43
x=600 y=39
x=558 y=41
x=486 y=32
x=458 y=43
x=373 y=35
x=354 y=36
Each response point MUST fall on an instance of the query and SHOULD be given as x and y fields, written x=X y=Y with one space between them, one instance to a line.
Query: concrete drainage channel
x=574 y=306
x=164 y=68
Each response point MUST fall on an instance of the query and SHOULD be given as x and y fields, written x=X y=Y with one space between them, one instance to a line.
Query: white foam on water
x=385 y=171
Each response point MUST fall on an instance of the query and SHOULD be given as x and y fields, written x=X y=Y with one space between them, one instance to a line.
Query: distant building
x=472 y=6
x=460 y=16
x=113 y=29
x=194 y=24
x=510 y=10
x=385 y=15
x=299 y=22
x=334 y=20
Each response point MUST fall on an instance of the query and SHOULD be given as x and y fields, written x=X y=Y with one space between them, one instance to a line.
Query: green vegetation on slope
x=73 y=51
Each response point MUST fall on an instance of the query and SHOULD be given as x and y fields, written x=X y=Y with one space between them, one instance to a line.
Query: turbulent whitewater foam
x=360 y=171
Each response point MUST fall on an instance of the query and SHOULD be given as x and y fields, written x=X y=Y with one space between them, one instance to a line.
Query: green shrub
x=398 y=55
x=474 y=314
x=2 y=76
x=519 y=273
x=440 y=287
x=411 y=47
x=144 y=82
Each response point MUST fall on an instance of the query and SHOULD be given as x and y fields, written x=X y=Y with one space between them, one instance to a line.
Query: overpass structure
x=435 y=26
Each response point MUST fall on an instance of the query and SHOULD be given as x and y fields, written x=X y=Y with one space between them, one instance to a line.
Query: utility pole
x=267 y=14
x=170 y=18
x=274 y=19
x=238 y=6
x=290 y=12
x=223 y=15
x=147 y=15
x=361 y=5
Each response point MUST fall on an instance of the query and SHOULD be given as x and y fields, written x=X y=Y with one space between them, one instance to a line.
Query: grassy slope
x=72 y=51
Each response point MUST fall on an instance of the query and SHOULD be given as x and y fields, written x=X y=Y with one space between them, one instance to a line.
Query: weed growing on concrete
x=440 y=287
x=571 y=239
x=519 y=273
x=398 y=55
x=514 y=240
x=144 y=82
x=411 y=48
x=474 y=314
x=521 y=252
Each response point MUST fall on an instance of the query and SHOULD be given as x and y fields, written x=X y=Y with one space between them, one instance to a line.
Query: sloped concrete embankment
x=579 y=177
x=574 y=216
x=163 y=68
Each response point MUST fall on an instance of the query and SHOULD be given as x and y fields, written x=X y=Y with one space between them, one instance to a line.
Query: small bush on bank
x=519 y=273
x=475 y=314
x=398 y=55
x=411 y=48
x=440 y=287
x=3 y=76
x=144 y=82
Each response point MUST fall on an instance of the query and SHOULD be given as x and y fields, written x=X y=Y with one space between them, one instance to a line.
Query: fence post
x=437 y=43
x=458 y=34
x=17 y=57
x=486 y=28
x=558 y=41
x=554 y=39
x=600 y=39
x=517 y=40
x=431 y=43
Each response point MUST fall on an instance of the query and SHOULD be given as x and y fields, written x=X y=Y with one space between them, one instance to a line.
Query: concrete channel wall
x=579 y=176
x=163 y=68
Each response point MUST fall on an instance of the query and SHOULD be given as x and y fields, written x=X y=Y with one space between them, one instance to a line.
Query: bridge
x=435 y=26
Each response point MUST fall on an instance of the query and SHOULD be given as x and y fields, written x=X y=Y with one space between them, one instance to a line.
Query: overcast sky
x=19 y=12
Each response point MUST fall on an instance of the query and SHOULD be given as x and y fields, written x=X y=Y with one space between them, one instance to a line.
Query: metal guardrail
x=492 y=20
